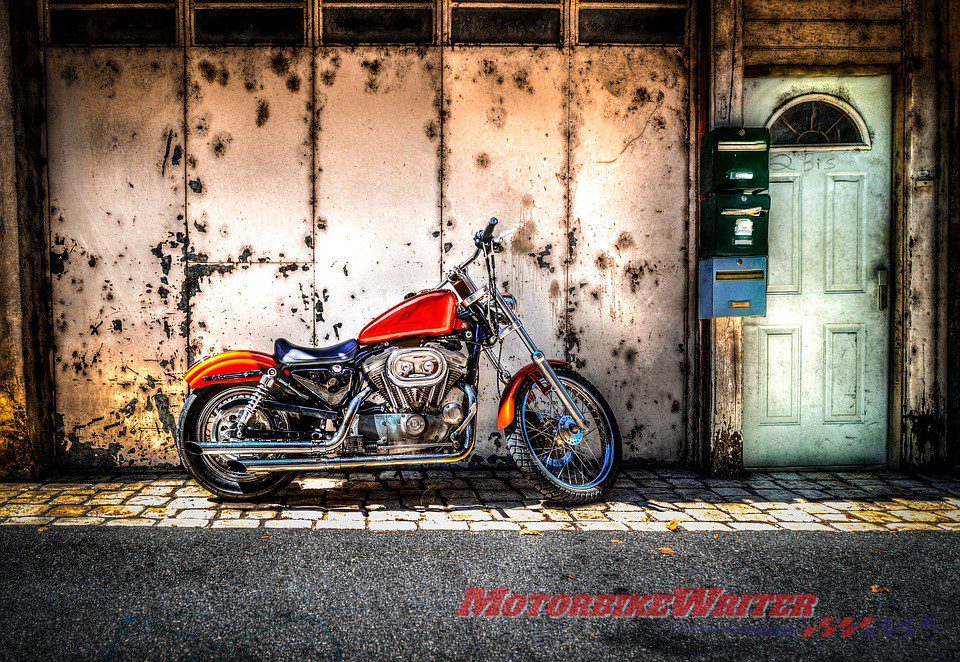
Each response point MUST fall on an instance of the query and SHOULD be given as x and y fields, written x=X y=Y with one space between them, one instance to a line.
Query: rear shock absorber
x=262 y=391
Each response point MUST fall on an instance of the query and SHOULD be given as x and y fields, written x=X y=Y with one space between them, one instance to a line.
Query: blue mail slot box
x=733 y=287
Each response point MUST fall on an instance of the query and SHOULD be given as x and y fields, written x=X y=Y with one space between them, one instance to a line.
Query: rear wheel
x=216 y=413
x=568 y=465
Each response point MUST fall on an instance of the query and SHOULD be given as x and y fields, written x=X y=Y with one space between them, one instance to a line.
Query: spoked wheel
x=218 y=412
x=568 y=464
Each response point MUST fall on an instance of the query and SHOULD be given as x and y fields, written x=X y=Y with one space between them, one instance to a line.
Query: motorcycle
x=404 y=392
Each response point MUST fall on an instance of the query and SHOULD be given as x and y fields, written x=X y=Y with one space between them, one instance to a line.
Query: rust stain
x=373 y=67
x=211 y=72
x=263 y=112
x=522 y=241
x=220 y=143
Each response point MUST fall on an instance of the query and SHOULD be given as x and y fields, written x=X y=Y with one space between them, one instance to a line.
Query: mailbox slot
x=734 y=224
x=733 y=287
x=735 y=159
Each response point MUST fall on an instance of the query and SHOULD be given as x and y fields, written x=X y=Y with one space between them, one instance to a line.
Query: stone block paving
x=483 y=500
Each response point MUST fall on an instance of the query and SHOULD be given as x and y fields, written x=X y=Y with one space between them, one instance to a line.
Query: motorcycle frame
x=491 y=319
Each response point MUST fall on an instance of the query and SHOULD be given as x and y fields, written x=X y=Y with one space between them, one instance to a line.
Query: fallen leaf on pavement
x=41 y=529
x=667 y=550
x=264 y=537
x=565 y=576
x=672 y=526
x=530 y=532
x=618 y=541
x=878 y=588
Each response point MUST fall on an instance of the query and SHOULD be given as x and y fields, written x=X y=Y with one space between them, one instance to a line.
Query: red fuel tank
x=428 y=314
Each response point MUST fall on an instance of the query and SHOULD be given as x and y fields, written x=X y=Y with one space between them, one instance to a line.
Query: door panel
x=115 y=136
x=786 y=256
x=779 y=375
x=816 y=367
x=627 y=275
x=843 y=248
x=377 y=226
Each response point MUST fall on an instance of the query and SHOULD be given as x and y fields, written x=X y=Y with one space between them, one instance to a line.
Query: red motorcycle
x=403 y=392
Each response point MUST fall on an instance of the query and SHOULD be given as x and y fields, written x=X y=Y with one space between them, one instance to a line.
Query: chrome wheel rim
x=216 y=422
x=574 y=459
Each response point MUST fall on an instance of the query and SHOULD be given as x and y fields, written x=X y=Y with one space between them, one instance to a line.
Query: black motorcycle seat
x=286 y=352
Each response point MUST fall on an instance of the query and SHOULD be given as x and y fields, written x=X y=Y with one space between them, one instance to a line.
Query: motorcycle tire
x=549 y=469
x=209 y=471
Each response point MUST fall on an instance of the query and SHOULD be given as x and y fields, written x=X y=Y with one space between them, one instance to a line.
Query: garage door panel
x=115 y=143
x=377 y=182
x=249 y=154
x=628 y=275
x=505 y=138
x=248 y=306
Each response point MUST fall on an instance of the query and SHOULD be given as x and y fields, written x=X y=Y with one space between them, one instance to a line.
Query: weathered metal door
x=816 y=367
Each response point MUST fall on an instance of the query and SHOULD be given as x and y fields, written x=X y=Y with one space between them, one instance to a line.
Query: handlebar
x=483 y=239
x=488 y=231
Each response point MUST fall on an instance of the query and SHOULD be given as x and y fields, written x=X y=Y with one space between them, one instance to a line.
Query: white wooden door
x=816 y=367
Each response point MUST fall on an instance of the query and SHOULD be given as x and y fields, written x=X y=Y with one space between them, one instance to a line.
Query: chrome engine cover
x=417 y=379
x=416 y=366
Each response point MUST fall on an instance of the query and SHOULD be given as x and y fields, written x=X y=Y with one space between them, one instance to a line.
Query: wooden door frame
x=919 y=215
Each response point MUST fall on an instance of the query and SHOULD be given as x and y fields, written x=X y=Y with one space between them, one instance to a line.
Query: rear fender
x=237 y=367
x=508 y=402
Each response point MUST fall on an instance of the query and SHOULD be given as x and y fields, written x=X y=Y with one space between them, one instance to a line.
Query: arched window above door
x=817 y=122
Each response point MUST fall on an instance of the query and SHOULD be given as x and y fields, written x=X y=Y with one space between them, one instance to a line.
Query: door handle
x=883 y=288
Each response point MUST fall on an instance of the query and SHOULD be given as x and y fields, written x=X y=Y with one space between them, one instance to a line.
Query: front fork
x=541 y=361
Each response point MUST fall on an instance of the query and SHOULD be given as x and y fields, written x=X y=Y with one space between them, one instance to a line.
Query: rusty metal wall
x=628 y=272
x=315 y=187
x=377 y=223
x=115 y=145
x=249 y=162
x=506 y=156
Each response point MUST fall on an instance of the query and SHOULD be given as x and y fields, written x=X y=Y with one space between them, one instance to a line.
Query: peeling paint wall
x=629 y=201
x=377 y=219
x=249 y=193
x=117 y=240
x=249 y=162
x=506 y=156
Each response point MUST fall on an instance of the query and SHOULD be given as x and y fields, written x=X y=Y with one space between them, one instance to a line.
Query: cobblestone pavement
x=476 y=501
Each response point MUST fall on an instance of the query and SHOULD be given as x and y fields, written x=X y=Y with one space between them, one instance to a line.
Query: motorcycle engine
x=416 y=379
x=419 y=385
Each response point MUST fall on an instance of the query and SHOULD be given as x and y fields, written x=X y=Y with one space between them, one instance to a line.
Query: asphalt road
x=110 y=593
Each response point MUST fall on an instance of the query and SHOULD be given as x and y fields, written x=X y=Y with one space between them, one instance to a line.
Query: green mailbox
x=735 y=159
x=734 y=224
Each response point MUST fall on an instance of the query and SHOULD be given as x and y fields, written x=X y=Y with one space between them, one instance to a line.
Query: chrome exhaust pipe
x=264 y=447
x=241 y=447
x=335 y=463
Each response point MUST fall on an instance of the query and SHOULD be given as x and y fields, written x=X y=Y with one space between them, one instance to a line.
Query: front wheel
x=569 y=466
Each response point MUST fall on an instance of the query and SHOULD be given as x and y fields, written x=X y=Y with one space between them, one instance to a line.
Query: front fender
x=235 y=367
x=508 y=401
